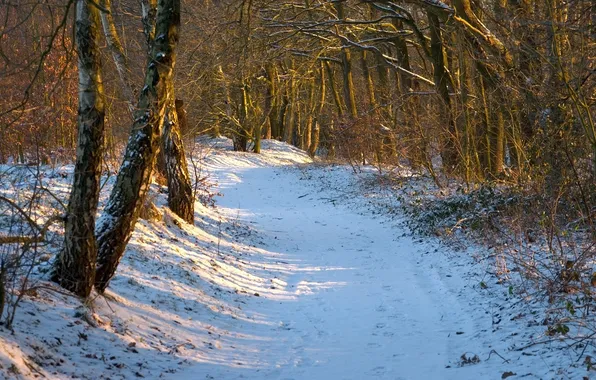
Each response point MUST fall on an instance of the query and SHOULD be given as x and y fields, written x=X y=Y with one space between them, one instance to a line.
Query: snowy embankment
x=294 y=275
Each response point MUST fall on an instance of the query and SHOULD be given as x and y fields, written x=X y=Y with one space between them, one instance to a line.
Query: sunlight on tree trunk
x=74 y=268
x=132 y=183
x=180 y=196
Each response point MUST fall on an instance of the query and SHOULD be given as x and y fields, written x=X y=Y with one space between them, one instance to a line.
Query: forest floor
x=296 y=273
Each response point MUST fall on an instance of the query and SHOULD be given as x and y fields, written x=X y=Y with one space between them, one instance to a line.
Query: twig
x=499 y=355
x=537 y=343
x=32 y=368
x=46 y=287
x=585 y=346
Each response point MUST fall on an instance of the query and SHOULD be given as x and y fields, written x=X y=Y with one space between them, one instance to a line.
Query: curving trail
x=352 y=296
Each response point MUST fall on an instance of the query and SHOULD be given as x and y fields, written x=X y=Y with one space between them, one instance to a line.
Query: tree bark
x=336 y=98
x=441 y=78
x=113 y=41
x=115 y=227
x=180 y=196
x=315 y=136
x=346 y=63
x=74 y=269
x=171 y=161
x=149 y=13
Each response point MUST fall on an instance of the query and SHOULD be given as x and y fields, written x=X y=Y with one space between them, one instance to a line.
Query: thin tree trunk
x=132 y=183
x=74 y=269
x=290 y=124
x=113 y=41
x=409 y=103
x=465 y=100
x=497 y=135
x=272 y=101
x=314 y=142
x=449 y=153
x=240 y=136
x=556 y=78
x=336 y=98
x=370 y=85
x=346 y=63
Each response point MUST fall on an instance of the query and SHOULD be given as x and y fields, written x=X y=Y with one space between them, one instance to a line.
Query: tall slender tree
x=120 y=215
x=74 y=268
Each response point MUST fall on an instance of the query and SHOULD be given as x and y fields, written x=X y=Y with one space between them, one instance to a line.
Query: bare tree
x=74 y=268
x=120 y=215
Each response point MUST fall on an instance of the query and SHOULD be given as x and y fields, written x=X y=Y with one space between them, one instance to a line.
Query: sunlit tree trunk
x=180 y=195
x=346 y=63
x=120 y=61
x=171 y=157
x=292 y=110
x=274 y=101
x=74 y=268
x=449 y=153
x=336 y=98
x=314 y=142
x=119 y=217
x=370 y=85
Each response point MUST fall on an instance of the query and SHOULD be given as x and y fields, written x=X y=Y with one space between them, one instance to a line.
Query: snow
x=296 y=274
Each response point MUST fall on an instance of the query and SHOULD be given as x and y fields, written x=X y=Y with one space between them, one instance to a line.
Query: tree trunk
x=290 y=121
x=370 y=85
x=149 y=14
x=171 y=160
x=315 y=137
x=346 y=63
x=272 y=102
x=449 y=152
x=132 y=183
x=336 y=98
x=74 y=269
x=240 y=135
x=180 y=197
x=113 y=41
x=555 y=123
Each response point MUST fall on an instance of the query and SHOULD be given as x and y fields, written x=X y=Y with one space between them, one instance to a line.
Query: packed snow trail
x=359 y=303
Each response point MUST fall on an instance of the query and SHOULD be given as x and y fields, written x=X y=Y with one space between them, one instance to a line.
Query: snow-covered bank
x=295 y=275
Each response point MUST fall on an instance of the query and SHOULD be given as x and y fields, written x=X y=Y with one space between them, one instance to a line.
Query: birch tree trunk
x=74 y=269
x=115 y=227
x=115 y=46
x=180 y=197
x=149 y=14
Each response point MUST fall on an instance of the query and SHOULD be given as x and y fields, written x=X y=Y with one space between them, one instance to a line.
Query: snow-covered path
x=298 y=273
x=351 y=297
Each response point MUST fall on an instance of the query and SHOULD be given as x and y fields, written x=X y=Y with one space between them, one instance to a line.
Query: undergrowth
x=542 y=248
